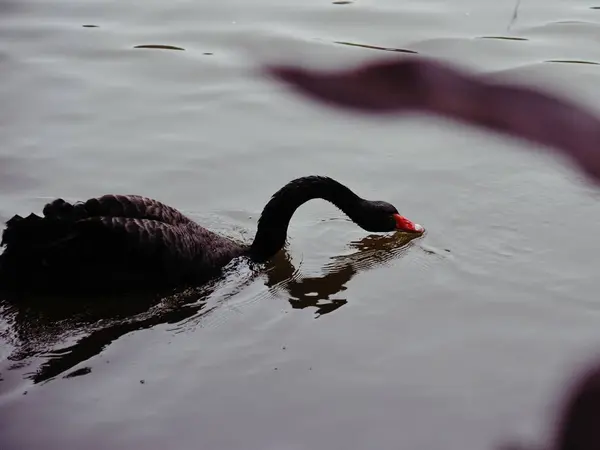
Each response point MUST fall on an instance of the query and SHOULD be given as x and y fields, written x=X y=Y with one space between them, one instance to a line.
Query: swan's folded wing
x=125 y=206
x=128 y=242
x=100 y=250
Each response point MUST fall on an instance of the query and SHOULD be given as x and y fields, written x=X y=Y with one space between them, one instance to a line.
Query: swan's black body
x=129 y=240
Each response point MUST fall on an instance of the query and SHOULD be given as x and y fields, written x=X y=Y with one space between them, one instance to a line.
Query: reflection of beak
x=403 y=224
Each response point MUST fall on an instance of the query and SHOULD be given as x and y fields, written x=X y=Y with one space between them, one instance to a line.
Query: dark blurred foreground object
x=418 y=84
x=579 y=426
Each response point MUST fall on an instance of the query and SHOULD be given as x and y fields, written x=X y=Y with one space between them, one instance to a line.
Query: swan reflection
x=317 y=292
x=39 y=325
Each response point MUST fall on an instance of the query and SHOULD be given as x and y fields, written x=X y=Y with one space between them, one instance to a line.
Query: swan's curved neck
x=275 y=218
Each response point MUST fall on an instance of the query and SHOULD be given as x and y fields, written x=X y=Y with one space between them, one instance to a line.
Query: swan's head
x=379 y=216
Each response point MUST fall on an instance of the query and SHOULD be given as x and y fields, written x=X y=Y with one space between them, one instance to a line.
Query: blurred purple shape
x=579 y=426
x=6 y=5
x=425 y=85
x=419 y=84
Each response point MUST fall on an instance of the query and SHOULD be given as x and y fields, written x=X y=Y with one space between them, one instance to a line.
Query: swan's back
x=113 y=240
x=126 y=206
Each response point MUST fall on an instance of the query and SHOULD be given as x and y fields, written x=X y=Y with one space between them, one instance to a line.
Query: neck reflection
x=318 y=292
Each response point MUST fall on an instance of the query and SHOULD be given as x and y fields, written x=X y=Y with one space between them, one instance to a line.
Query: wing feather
x=128 y=206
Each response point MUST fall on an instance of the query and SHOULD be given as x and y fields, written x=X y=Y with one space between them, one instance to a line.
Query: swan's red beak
x=403 y=224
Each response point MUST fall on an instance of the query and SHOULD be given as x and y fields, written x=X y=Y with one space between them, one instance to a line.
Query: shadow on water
x=40 y=324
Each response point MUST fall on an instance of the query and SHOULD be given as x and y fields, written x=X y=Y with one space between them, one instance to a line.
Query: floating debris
x=161 y=47
x=504 y=38
x=375 y=47
x=571 y=61
x=90 y=26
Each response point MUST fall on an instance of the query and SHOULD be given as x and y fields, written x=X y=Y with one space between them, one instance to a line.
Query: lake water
x=460 y=339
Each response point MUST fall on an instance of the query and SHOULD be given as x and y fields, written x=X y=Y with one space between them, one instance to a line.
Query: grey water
x=462 y=338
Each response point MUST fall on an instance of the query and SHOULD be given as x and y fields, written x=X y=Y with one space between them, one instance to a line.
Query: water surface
x=459 y=339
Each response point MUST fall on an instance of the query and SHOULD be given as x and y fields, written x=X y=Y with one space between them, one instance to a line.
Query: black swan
x=120 y=240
